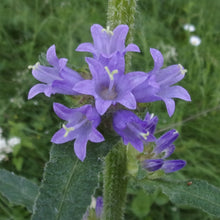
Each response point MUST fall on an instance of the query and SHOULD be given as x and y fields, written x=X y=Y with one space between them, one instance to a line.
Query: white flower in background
x=14 y=141
x=2 y=157
x=18 y=101
x=189 y=27
x=3 y=143
x=195 y=40
x=6 y=147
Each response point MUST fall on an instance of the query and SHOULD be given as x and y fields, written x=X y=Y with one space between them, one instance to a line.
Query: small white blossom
x=195 y=41
x=93 y=203
x=6 y=147
x=14 y=141
x=3 y=144
x=189 y=27
x=2 y=157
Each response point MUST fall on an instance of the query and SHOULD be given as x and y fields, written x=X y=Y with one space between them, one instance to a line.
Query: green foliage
x=18 y=190
x=141 y=204
x=195 y=193
x=68 y=183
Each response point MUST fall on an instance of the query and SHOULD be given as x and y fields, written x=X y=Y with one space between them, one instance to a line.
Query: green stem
x=115 y=183
x=122 y=12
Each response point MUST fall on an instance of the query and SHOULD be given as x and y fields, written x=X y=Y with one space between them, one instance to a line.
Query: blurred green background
x=28 y=28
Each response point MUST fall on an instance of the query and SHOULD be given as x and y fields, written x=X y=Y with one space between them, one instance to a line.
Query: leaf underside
x=195 y=193
x=68 y=183
x=18 y=190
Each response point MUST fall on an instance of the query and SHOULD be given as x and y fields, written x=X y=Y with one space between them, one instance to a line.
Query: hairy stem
x=115 y=171
x=115 y=183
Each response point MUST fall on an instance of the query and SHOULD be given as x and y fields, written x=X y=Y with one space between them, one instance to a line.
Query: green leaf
x=17 y=189
x=68 y=183
x=196 y=193
x=141 y=204
x=161 y=199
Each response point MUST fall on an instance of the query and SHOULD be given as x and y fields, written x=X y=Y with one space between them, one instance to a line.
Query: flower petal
x=170 y=166
x=147 y=91
x=132 y=48
x=128 y=100
x=137 y=144
x=157 y=57
x=97 y=70
x=52 y=57
x=117 y=61
x=168 y=151
x=36 y=89
x=86 y=47
x=45 y=74
x=59 y=137
x=102 y=105
x=84 y=87
x=80 y=146
x=136 y=78
x=63 y=87
x=170 y=105
x=165 y=141
x=98 y=36
x=62 y=63
x=152 y=164
x=176 y=92
x=118 y=38
x=96 y=136
x=170 y=75
x=99 y=207
x=68 y=114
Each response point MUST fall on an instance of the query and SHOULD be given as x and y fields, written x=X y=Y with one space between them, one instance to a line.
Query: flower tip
x=157 y=57
x=175 y=132
x=51 y=49
x=154 y=51
x=81 y=157
x=32 y=93
x=188 y=99
x=55 y=105
x=29 y=97
x=54 y=139
x=170 y=166
x=52 y=46
x=96 y=27
x=123 y=26
x=89 y=60
x=52 y=56
x=170 y=112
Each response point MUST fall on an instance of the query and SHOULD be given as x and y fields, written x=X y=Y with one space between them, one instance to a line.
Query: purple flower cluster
x=110 y=85
x=164 y=148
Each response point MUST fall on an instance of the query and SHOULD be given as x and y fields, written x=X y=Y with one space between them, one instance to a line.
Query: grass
x=30 y=27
